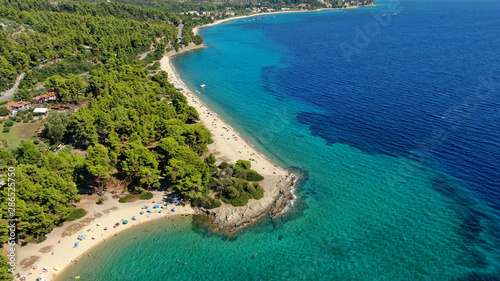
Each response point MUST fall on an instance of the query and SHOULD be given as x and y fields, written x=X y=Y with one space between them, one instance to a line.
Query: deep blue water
x=391 y=114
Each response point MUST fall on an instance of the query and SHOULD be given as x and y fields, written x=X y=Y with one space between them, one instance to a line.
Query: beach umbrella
x=56 y=268
x=125 y=222
x=173 y=210
x=45 y=268
x=98 y=224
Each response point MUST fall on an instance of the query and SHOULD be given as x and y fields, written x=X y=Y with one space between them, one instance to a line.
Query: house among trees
x=46 y=98
x=17 y=106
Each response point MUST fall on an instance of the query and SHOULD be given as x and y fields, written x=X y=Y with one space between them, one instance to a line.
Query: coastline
x=61 y=243
x=229 y=146
x=278 y=197
x=197 y=28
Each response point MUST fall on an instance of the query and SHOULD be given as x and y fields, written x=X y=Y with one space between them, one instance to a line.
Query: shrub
x=245 y=164
x=126 y=199
x=252 y=175
x=28 y=239
x=258 y=191
x=241 y=200
x=8 y=123
x=231 y=192
x=76 y=214
x=134 y=197
x=155 y=66
x=4 y=111
x=6 y=130
x=206 y=202
x=100 y=201
x=225 y=165
x=146 y=196
x=41 y=238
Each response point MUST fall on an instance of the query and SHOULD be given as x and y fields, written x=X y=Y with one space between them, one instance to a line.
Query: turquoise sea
x=391 y=116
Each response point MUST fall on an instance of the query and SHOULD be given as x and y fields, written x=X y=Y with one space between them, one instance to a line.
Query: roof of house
x=19 y=104
x=51 y=94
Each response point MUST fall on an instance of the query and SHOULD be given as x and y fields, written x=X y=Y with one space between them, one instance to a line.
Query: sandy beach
x=228 y=145
x=58 y=252
x=197 y=28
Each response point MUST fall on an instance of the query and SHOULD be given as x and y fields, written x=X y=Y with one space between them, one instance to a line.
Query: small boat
x=203 y=86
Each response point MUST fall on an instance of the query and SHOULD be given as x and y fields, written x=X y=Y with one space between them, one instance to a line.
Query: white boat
x=202 y=86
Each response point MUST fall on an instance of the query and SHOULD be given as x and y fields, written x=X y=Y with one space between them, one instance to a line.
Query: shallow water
x=398 y=145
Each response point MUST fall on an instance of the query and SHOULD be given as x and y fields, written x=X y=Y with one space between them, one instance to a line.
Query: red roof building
x=45 y=98
x=20 y=105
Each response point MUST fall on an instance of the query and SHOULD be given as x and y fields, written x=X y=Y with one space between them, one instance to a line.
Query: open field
x=20 y=131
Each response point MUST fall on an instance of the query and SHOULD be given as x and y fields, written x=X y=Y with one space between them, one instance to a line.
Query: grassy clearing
x=20 y=131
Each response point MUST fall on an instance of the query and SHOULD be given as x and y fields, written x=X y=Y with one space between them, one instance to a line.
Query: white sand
x=64 y=252
x=228 y=146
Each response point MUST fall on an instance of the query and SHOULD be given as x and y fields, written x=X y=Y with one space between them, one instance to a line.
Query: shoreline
x=216 y=22
x=61 y=240
x=230 y=146
x=57 y=250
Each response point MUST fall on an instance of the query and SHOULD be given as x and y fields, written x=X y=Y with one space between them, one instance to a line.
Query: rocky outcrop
x=229 y=218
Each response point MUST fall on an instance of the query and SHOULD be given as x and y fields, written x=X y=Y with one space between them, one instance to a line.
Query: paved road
x=143 y=55
x=179 y=31
x=10 y=92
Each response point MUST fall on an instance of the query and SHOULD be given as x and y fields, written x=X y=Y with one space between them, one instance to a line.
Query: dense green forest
x=136 y=129
x=240 y=7
x=92 y=33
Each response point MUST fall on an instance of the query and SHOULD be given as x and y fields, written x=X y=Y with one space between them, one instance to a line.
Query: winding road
x=10 y=92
